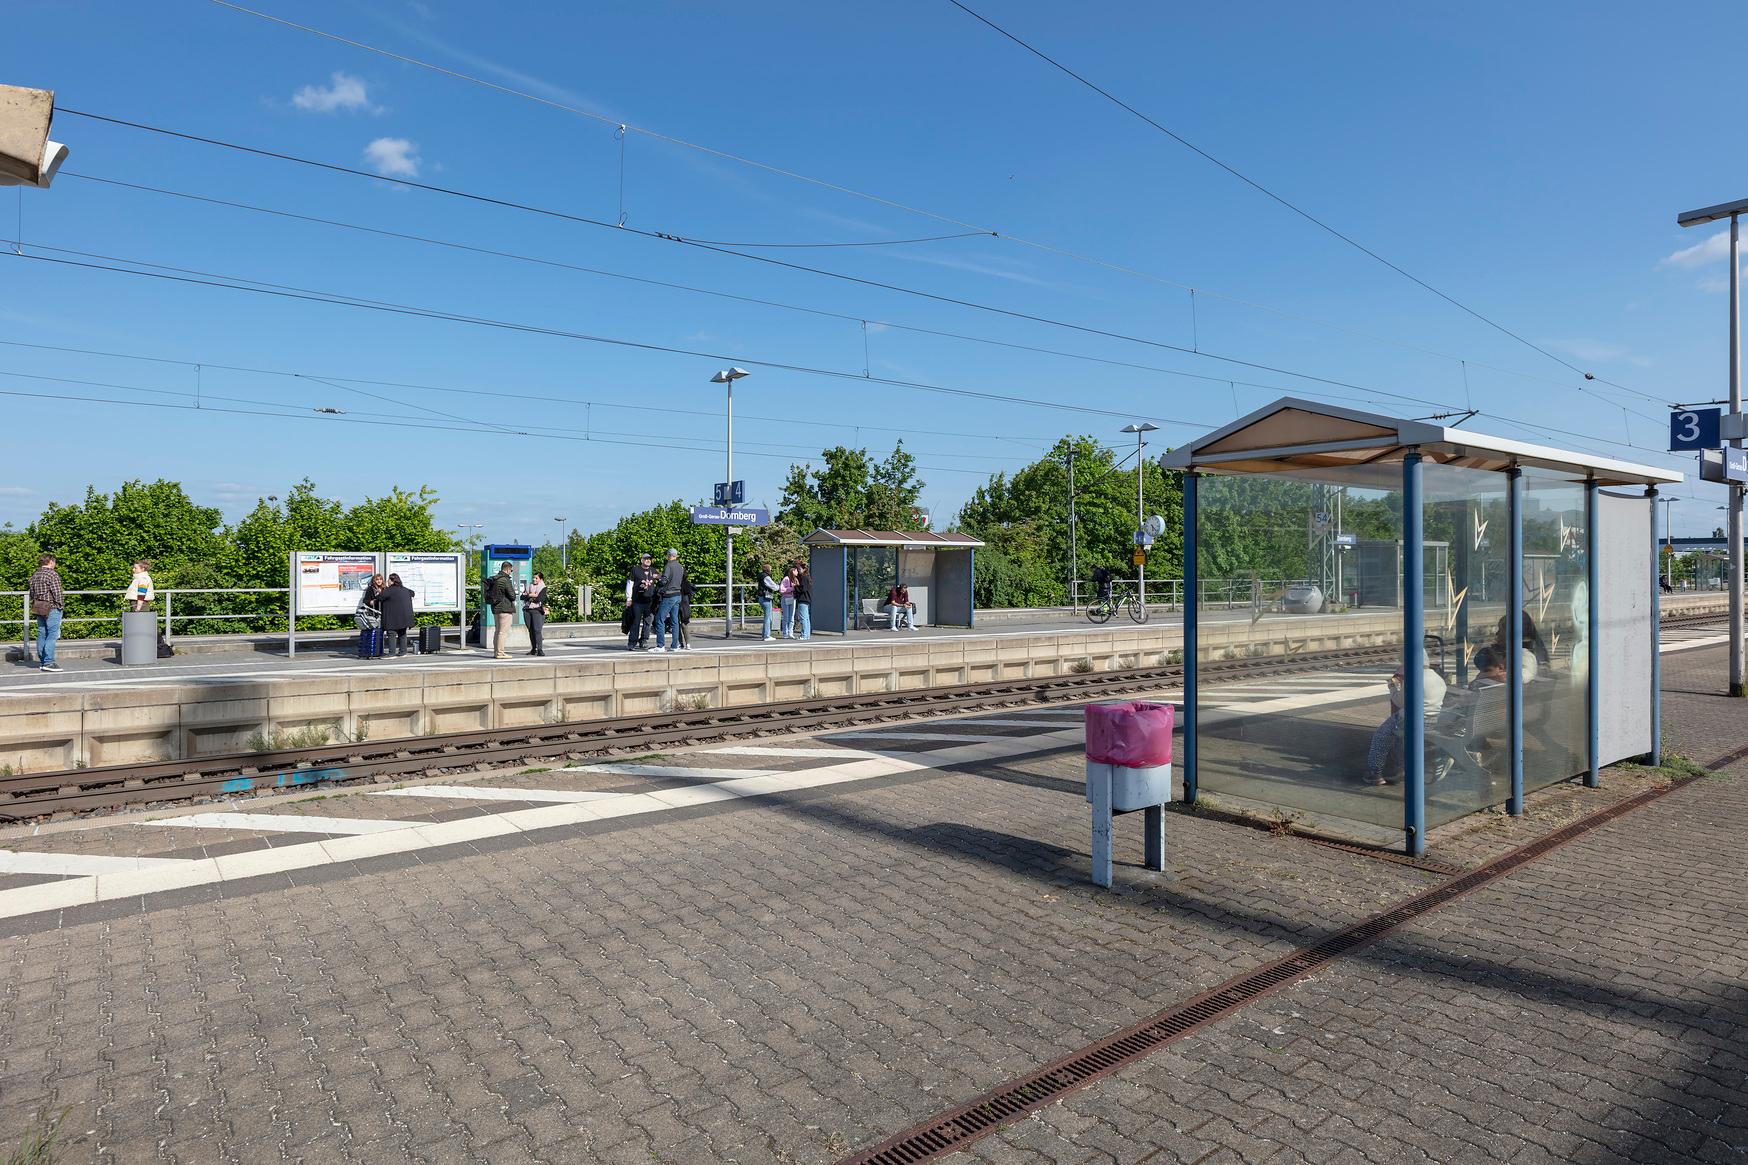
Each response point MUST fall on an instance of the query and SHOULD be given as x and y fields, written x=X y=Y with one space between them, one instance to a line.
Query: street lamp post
x=1668 y=543
x=1140 y=430
x=1733 y=212
x=726 y=378
x=564 y=546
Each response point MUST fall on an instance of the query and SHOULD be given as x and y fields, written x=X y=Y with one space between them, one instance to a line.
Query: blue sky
x=1529 y=160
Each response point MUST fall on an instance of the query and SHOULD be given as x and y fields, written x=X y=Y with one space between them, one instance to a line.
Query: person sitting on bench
x=900 y=607
x=1384 y=757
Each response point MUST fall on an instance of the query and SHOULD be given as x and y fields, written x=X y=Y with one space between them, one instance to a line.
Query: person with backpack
x=766 y=590
x=668 y=588
x=501 y=598
x=47 y=602
x=640 y=597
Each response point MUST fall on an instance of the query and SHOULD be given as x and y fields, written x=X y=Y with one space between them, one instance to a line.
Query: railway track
x=92 y=790
x=95 y=790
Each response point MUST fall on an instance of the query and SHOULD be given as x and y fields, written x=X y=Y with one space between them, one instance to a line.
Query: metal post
x=1098 y=791
x=1073 y=539
x=728 y=531
x=1140 y=518
x=1735 y=531
x=1593 y=644
x=1656 y=637
x=1191 y=595
x=169 y=599
x=1413 y=658
x=1514 y=639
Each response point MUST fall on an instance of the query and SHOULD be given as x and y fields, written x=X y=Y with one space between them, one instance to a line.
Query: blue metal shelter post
x=1656 y=636
x=1593 y=652
x=1192 y=596
x=1413 y=658
x=1514 y=638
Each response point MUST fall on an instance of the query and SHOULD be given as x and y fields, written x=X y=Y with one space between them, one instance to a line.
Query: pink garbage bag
x=1134 y=734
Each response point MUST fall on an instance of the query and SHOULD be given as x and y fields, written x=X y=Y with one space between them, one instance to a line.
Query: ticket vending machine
x=491 y=560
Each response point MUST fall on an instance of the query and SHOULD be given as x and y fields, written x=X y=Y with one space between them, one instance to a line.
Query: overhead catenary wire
x=1261 y=189
x=623 y=129
x=862 y=323
x=585 y=220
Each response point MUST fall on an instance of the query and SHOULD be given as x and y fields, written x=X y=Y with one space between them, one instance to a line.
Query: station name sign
x=730 y=516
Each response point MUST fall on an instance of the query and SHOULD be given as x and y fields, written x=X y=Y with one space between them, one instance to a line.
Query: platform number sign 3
x=1695 y=429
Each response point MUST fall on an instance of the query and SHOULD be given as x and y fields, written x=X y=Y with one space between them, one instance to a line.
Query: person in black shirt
x=1102 y=579
x=397 y=615
x=640 y=597
x=803 y=602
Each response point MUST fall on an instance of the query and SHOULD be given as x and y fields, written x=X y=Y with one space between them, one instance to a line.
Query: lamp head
x=728 y=376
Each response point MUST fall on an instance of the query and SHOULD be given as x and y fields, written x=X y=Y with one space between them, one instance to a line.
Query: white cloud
x=393 y=157
x=1714 y=249
x=343 y=93
x=16 y=491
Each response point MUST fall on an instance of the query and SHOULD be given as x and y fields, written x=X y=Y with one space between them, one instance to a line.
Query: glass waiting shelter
x=1436 y=697
x=853 y=569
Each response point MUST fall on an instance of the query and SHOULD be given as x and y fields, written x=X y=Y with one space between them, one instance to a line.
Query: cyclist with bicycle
x=1102 y=579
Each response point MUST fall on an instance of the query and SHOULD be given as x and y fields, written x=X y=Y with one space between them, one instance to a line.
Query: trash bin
x=139 y=638
x=1128 y=768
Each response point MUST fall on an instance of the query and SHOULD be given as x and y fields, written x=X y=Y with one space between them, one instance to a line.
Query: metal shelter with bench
x=853 y=569
x=1341 y=748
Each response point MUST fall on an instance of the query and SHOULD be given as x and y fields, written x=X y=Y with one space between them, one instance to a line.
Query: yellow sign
x=1141 y=558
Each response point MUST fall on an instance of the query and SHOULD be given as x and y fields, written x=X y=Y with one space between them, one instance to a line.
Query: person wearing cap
x=669 y=589
x=640 y=597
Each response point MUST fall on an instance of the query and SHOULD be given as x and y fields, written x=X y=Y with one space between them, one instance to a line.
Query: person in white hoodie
x=140 y=592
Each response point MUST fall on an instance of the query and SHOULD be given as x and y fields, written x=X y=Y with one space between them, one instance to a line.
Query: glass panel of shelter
x=1556 y=544
x=1272 y=551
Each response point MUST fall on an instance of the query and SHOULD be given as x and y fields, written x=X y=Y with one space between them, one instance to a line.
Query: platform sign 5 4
x=1691 y=429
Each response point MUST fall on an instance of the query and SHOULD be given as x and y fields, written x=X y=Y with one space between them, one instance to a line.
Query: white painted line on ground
x=898 y=734
x=73 y=865
x=285 y=823
x=684 y=771
x=1684 y=645
x=490 y=793
x=1058 y=724
x=399 y=837
x=794 y=753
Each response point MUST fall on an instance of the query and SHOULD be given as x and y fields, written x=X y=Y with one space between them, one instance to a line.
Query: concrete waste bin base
x=139 y=638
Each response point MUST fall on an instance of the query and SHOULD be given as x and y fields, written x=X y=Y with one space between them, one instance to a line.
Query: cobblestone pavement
x=786 y=980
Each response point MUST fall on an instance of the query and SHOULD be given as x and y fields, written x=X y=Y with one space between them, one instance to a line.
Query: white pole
x=1735 y=489
x=728 y=531
x=1140 y=517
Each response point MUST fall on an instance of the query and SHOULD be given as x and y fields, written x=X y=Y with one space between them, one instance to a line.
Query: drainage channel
x=951 y=1131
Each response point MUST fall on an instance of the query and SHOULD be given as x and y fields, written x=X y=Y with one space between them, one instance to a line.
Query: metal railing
x=170 y=618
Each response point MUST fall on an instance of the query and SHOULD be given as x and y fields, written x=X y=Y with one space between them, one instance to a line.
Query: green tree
x=853 y=492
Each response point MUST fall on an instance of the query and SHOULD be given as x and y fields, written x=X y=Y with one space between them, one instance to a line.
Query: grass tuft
x=39 y=1146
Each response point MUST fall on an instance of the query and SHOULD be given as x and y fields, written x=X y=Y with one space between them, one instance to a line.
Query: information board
x=730 y=516
x=330 y=582
x=436 y=580
x=1695 y=429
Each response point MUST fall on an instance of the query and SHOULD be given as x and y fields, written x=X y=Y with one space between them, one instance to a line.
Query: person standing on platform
x=640 y=596
x=786 y=591
x=47 y=602
x=534 y=613
x=501 y=598
x=900 y=607
x=397 y=616
x=140 y=591
x=369 y=619
x=668 y=589
x=767 y=590
x=683 y=632
x=803 y=602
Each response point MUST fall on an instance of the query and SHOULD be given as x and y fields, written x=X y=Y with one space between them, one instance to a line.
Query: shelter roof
x=1294 y=435
x=912 y=538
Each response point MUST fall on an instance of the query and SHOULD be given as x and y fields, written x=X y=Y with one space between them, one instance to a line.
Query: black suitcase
x=430 y=640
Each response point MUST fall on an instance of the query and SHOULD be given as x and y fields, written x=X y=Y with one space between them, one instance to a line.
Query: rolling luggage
x=430 y=640
x=369 y=642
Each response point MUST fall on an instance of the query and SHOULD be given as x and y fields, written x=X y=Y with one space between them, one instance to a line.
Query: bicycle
x=1102 y=608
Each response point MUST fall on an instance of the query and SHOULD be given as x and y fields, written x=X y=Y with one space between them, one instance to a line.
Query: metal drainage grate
x=952 y=1131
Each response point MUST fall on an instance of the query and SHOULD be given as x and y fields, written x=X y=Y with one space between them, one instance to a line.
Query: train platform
x=805 y=949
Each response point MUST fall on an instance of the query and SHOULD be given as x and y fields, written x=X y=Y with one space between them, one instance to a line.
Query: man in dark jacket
x=501 y=598
x=668 y=590
x=397 y=615
x=640 y=597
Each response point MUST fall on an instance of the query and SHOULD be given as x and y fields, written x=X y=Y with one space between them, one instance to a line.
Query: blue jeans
x=668 y=609
x=788 y=616
x=804 y=620
x=1386 y=747
x=48 y=629
x=765 y=620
